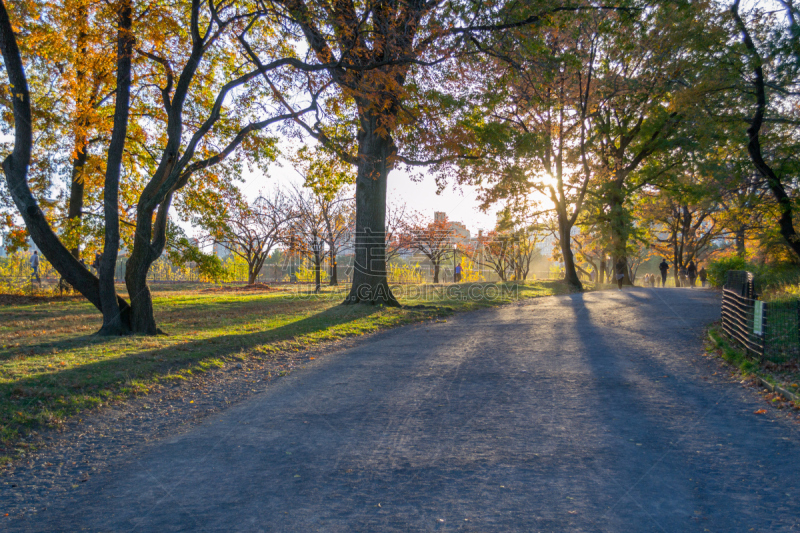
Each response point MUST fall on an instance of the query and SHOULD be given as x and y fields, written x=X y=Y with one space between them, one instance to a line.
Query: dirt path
x=591 y=412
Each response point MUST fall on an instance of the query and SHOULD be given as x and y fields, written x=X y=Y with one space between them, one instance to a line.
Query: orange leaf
x=761 y=412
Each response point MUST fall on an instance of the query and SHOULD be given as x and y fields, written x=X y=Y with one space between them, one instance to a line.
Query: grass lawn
x=53 y=367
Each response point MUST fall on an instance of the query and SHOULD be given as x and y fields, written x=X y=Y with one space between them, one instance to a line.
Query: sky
x=460 y=204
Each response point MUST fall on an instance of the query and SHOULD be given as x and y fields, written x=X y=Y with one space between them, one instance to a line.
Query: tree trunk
x=619 y=230
x=739 y=239
x=76 y=191
x=601 y=275
x=142 y=256
x=370 y=282
x=436 y=272
x=252 y=274
x=77 y=182
x=15 y=168
x=112 y=321
x=334 y=273
x=570 y=274
x=318 y=271
x=676 y=267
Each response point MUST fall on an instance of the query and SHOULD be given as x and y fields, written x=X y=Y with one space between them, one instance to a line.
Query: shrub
x=309 y=275
x=718 y=269
x=772 y=281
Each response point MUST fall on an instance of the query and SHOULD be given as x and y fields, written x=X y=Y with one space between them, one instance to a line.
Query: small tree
x=308 y=231
x=523 y=251
x=592 y=249
x=338 y=214
x=494 y=251
x=433 y=239
x=251 y=231
x=395 y=225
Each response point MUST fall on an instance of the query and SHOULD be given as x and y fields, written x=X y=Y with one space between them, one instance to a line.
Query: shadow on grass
x=34 y=401
x=178 y=319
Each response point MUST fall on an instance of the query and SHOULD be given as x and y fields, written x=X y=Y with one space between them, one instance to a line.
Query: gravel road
x=590 y=412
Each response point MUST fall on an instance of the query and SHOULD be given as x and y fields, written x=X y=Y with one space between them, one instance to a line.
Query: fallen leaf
x=761 y=412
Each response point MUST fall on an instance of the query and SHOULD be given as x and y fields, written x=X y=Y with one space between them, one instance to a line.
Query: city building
x=459 y=229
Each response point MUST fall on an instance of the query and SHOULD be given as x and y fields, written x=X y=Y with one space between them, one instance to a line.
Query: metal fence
x=770 y=330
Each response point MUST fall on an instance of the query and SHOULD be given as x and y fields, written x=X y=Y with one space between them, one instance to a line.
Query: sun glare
x=547 y=179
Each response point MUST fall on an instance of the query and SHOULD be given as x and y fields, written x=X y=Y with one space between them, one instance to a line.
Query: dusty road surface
x=593 y=412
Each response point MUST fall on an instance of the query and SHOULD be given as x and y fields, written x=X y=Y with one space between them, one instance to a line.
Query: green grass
x=784 y=373
x=735 y=356
x=52 y=366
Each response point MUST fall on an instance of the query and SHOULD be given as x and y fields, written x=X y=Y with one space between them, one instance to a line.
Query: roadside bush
x=718 y=268
x=772 y=281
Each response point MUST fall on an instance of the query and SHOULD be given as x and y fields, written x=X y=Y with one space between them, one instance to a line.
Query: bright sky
x=459 y=204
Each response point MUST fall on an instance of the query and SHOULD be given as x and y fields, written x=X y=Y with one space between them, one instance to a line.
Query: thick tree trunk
x=436 y=272
x=15 y=167
x=602 y=274
x=370 y=282
x=739 y=239
x=77 y=183
x=676 y=267
x=112 y=321
x=252 y=274
x=618 y=225
x=142 y=256
x=565 y=240
x=76 y=193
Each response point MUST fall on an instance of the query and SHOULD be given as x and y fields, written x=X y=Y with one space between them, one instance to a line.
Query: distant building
x=459 y=229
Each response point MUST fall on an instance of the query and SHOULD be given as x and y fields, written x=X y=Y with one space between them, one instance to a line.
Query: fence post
x=764 y=314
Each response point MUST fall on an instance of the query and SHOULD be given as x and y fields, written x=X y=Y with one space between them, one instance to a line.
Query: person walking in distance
x=35 y=266
x=691 y=271
x=664 y=268
x=702 y=275
x=620 y=271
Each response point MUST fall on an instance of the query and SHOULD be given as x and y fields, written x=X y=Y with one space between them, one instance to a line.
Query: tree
x=337 y=214
x=377 y=56
x=214 y=101
x=433 y=239
x=592 y=248
x=523 y=252
x=252 y=231
x=15 y=166
x=494 y=252
x=396 y=215
x=210 y=93
x=542 y=96
x=682 y=223
x=652 y=73
x=783 y=64
x=309 y=231
x=67 y=47
x=521 y=232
